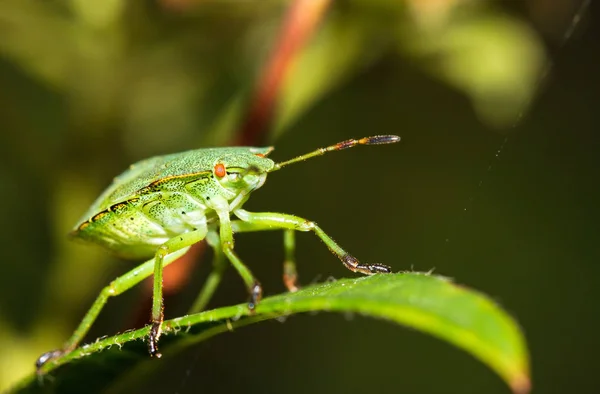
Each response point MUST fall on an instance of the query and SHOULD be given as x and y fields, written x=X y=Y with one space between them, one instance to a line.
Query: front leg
x=178 y=242
x=291 y=222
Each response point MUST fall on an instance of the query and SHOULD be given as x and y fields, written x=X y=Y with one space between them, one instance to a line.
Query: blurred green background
x=87 y=88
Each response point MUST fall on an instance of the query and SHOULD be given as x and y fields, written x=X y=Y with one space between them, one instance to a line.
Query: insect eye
x=220 y=170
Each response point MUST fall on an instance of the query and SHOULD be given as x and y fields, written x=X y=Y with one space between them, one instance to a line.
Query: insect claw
x=368 y=269
x=290 y=283
x=48 y=356
x=153 y=340
x=380 y=268
x=255 y=296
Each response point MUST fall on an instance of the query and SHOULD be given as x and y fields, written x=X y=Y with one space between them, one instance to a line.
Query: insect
x=161 y=206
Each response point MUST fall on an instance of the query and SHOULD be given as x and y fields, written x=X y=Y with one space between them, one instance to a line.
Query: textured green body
x=164 y=196
x=162 y=206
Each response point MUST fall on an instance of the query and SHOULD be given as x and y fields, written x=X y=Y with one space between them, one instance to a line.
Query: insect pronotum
x=161 y=206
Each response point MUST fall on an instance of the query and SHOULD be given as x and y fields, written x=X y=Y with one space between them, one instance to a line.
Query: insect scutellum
x=161 y=206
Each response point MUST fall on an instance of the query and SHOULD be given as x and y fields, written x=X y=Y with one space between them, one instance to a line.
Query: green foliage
x=425 y=302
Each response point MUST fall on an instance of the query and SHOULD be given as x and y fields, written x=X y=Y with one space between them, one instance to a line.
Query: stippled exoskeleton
x=161 y=206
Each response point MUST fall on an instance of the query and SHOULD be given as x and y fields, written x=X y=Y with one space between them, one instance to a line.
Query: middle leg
x=215 y=276
x=290 y=274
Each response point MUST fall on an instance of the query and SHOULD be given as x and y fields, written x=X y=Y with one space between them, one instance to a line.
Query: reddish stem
x=299 y=25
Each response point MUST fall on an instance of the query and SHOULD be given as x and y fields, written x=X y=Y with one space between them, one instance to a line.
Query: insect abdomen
x=135 y=228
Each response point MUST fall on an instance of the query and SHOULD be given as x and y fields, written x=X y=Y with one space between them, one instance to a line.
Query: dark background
x=510 y=211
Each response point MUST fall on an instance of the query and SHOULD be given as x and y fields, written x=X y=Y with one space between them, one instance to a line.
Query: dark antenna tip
x=374 y=140
x=380 y=140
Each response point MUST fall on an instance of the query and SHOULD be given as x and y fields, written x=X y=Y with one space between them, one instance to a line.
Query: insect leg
x=226 y=232
x=178 y=242
x=285 y=221
x=214 y=278
x=290 y=275
x=116 y=287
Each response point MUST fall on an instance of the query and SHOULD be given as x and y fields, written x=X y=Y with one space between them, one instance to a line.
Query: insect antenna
x=373 y=140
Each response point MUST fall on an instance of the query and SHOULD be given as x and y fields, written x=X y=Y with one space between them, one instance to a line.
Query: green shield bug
x=161 y=206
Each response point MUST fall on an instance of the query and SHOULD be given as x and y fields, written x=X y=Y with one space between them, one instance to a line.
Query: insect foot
x=290 y=277
x=44 y=358
x=354 y=265
x=255 y=296
x=379 y=268
x=153 y=340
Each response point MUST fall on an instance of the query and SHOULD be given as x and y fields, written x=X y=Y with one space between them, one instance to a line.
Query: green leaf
x=427 y=303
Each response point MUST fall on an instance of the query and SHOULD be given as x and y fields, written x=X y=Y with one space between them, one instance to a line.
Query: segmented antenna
x=373 y=140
